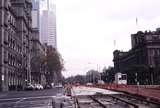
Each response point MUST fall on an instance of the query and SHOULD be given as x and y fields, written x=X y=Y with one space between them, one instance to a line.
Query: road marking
x=16 y=103
x=10 y=99
x=20 y=100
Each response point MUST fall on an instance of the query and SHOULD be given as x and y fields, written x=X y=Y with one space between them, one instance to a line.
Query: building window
x=5 y=37
x=5 y=57
x=9 y=59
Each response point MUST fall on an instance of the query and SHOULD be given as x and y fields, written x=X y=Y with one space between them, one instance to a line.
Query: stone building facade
x=142 y=62
x=15 y=32
x=38 y=62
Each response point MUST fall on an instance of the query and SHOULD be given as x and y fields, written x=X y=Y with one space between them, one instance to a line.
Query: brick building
x=141 y=63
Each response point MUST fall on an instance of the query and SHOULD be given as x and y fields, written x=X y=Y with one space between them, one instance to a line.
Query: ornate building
x=15 y=32
x=142 y=62
x=38 y=62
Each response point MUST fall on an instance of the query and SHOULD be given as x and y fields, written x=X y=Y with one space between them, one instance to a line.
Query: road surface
x=49 y=98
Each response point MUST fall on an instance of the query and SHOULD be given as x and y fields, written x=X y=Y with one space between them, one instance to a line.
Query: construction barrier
x=150 y=91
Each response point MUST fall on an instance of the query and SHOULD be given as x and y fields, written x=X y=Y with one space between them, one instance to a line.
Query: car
x=89 y=84
x=59 y=86
x=38 y=86
x=47 y=86
x=29 y=87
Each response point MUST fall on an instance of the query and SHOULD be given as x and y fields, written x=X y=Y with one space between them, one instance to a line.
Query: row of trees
x=50 y=64
x=108 y=74
x=81 y=79
x=136 y=74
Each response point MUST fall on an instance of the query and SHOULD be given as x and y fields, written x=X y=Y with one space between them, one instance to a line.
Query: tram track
x=115 y=101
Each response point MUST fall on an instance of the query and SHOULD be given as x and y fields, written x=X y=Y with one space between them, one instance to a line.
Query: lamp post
x=136 y=79
x=151 y=73
x=137 y=83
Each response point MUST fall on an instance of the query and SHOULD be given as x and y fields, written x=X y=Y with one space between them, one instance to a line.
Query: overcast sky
x=86 y=30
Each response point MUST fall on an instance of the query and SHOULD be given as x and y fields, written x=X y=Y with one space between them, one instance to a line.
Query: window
x=5 y=37
x=9 y=59
x=5 y=57
x=157 y=51
x=155 y=37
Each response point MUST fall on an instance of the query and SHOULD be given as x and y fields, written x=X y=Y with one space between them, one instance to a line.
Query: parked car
x=59 y=86
x=89 y=84
x=29 y=87
x=47 y=86
x=38 y=86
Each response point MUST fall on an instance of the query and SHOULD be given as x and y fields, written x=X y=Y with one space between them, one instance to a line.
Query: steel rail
x=122 y=100
x=96 y=100
x=140 y=98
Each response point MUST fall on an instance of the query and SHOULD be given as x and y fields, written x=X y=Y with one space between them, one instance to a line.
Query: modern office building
x=48 y=33
x=142 y=62
x=44 y=27
x=15 y=32
x=35 y=14
x=52 y=38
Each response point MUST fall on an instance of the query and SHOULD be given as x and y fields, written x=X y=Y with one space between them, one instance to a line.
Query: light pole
x=136 y=80
x=151 y=73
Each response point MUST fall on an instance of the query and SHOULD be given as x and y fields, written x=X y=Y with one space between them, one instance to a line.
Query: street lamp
x=137 y=82
x=151 y=73
x=136 y=78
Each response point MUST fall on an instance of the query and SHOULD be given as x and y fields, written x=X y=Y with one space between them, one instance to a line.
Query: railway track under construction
x=114 y=101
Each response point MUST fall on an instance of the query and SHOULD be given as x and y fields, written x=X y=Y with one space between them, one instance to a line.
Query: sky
x=87 y=29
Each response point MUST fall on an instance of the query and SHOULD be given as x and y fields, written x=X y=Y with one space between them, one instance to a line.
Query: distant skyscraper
x=52 y=39
x=48 y=26
x=44 y=27
x=35 y=13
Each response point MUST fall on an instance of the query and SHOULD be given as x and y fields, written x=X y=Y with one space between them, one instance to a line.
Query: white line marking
x=10 y=99
x=20 y=100
x=27 y=98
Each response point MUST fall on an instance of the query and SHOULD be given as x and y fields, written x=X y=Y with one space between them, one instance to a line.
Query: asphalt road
x=50 y=98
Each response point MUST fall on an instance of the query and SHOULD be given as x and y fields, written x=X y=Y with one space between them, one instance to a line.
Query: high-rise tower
x=48 y=25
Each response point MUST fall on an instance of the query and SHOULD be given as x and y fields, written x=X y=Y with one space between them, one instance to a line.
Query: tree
x=54 y=64
x=76 y=79
x=108 y=74
x=37 y=67
x=138 y=73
